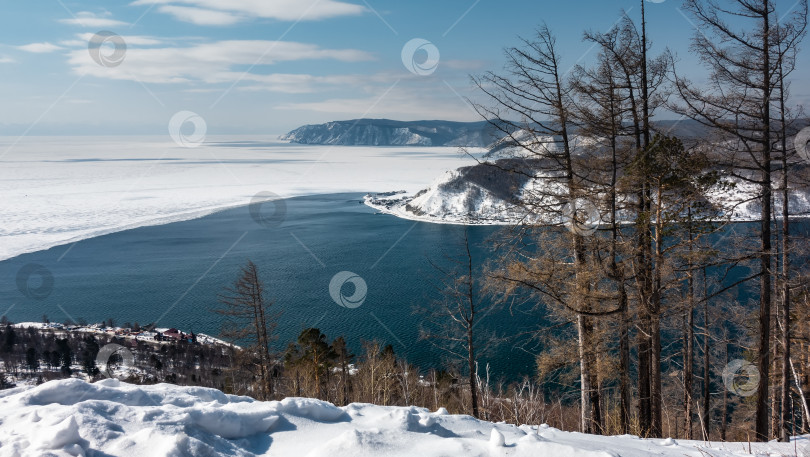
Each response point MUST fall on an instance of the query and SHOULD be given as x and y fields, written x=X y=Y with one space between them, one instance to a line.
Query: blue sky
x=267 y=66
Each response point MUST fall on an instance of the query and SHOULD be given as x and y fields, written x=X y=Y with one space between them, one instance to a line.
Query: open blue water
x=171 y=274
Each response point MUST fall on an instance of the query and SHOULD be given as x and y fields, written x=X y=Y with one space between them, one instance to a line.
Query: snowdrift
x=110 y=418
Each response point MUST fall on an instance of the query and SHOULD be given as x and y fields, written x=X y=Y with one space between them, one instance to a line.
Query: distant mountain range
x=385 y=132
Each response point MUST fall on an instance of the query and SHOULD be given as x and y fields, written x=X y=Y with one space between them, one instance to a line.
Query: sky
x=96 y=67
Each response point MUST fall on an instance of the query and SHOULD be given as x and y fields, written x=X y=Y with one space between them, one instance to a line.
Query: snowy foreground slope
x=111 y=418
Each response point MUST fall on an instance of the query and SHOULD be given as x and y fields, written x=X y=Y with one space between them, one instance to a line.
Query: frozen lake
x=57 y=190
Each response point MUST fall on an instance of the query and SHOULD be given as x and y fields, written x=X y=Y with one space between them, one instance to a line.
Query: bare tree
x=343 y=358
x=245 y=310
x=535 y=91
x=786 y=64
x=601 y=110
x=452 y=322
x=737 y=102
x=639 y=81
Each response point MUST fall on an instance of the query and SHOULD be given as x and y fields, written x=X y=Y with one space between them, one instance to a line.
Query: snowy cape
x=110 y=418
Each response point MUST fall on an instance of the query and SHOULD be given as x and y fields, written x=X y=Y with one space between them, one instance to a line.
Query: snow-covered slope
x=481 y=194
x=469 y=195
x=110 y=418
x=487 y=195
x=526 y=144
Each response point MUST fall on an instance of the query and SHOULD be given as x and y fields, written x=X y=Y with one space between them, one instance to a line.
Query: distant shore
x=155 y=335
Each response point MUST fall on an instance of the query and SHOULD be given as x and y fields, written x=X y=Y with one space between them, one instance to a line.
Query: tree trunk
x=764 y=364
x=624 y=364
x=784 y=432
x=724 y=420
x=597 y=423
x=646 y=343
x=775 y=398
x=585 y=378
x=470 y=323
x=579 y=261
x=473 y=380
x=344 y=381
x=689 y=337
x=644 y=373
x=707 y=364
x=656 y=394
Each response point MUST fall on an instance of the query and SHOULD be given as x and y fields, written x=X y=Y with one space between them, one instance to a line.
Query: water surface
x=172 y=274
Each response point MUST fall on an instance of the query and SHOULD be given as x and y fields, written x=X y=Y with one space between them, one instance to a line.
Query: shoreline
x=157 y=221
x=396 y=211
x=146 y=336
x=161 y=220
x=84 y=187
x=392 y=207
x=396 y=208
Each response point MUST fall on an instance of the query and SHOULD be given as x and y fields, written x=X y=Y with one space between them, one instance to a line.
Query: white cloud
x=304 y=83
x=83 y=39
x=89 y=19
x=207 y=63
x=397 y=103
x=6 y=59
x=226 y=12
x=39 y=48
x=73 y=43
x=200 y=16
x=286 y=83
x=130 y=40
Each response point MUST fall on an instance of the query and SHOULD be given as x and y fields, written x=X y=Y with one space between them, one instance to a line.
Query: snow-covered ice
x=111 y=418
x=57 y=190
